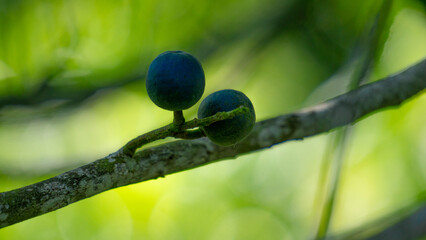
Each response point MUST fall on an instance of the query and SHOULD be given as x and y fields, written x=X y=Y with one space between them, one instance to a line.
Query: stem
x=178 y=130
x=361 y=74
x=339 y=144
x=190 y=134
x=178 y=118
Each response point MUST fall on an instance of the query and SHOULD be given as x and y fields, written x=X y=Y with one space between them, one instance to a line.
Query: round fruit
x=175 y=80
x=230 y=131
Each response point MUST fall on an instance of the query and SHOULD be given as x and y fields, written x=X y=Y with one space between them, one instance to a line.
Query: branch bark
x=117 y=170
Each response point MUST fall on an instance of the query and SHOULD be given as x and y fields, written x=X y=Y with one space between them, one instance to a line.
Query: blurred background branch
x=366 y=54
x=56 y=87
x=410 y=227
x=406 y=223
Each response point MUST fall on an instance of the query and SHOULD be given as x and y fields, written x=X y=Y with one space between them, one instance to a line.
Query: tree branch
x=118 y=170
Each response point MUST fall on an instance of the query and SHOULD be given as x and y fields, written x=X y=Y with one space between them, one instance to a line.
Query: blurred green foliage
x=72 y=90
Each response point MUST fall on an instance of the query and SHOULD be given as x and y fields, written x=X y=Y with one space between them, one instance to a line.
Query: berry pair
x=176 y=82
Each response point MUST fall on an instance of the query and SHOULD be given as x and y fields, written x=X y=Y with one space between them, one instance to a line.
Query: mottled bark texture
x=118 y=170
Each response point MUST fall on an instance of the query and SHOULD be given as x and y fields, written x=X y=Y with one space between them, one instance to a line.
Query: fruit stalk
x=178 y=131
x=178 y=118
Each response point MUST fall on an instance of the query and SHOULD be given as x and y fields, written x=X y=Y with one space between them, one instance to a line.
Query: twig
x=178 y=131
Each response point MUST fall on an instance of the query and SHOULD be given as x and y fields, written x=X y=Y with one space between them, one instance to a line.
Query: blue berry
x=175 y=80
x=230 y=131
